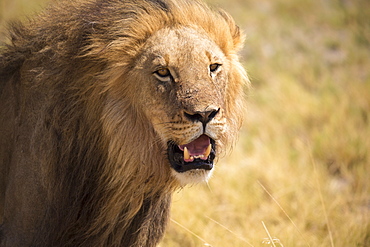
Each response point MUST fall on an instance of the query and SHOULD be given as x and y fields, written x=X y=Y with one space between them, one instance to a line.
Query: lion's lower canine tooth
x=186 y=153
x=208 y=151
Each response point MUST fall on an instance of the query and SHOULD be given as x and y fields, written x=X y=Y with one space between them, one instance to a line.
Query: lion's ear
x=236 y=33
x=238 y=37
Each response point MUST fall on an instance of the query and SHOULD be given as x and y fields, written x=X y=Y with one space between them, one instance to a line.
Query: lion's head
x=185 y=93
x=185 y=77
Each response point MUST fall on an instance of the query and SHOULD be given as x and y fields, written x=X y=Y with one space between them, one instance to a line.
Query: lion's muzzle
x=199 y=153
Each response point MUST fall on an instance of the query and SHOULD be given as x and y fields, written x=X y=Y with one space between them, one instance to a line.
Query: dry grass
x=299 y=175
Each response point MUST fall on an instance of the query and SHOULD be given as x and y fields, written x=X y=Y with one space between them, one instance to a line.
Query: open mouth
x=198 y=154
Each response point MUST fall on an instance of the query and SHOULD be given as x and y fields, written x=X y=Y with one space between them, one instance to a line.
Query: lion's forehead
x=182 y=46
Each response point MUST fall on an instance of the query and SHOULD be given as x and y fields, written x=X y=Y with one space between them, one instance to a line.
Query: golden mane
x=76 y=152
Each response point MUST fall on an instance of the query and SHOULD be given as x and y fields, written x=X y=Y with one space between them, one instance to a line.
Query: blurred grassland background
x=300 y=172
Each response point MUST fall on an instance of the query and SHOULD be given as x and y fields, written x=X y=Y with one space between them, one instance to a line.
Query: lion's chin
x=194 y=176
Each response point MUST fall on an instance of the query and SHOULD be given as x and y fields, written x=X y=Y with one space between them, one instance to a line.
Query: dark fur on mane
x=78 y=178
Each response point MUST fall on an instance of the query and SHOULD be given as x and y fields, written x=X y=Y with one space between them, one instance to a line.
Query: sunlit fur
x=84 y=163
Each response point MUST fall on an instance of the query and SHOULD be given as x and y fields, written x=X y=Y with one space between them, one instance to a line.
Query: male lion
x=107 y=107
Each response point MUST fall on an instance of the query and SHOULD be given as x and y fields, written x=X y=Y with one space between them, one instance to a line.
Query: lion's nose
x=201 y=116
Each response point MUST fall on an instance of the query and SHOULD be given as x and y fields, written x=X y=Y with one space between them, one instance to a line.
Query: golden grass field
x=300 y=172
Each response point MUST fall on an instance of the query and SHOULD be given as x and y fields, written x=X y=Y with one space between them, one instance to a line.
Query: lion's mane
x=76 y=154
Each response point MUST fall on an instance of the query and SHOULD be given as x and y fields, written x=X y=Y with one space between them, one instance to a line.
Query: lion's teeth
x=186 y=153
x=208 y=151
x=190 y=158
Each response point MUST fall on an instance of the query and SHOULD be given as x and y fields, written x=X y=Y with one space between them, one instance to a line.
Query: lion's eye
x=163 y=73
x=214 y=67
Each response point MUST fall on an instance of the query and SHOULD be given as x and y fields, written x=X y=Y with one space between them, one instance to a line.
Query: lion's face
x=186 y=75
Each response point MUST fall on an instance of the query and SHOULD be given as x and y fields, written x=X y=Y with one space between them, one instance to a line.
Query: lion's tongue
x=199 y=148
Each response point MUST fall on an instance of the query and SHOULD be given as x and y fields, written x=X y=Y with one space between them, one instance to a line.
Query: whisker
x=170 y=122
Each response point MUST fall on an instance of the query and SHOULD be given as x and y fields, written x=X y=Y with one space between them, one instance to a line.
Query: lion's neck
x=115 y=190
x=145 y=227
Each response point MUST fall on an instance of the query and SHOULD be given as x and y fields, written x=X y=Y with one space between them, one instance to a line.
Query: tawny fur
x=82 y=160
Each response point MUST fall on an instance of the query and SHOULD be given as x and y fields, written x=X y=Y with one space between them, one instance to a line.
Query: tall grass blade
x=321 y=197
x=228 y=229
x=191 y=232
x=282 y=209
x=268 y=234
